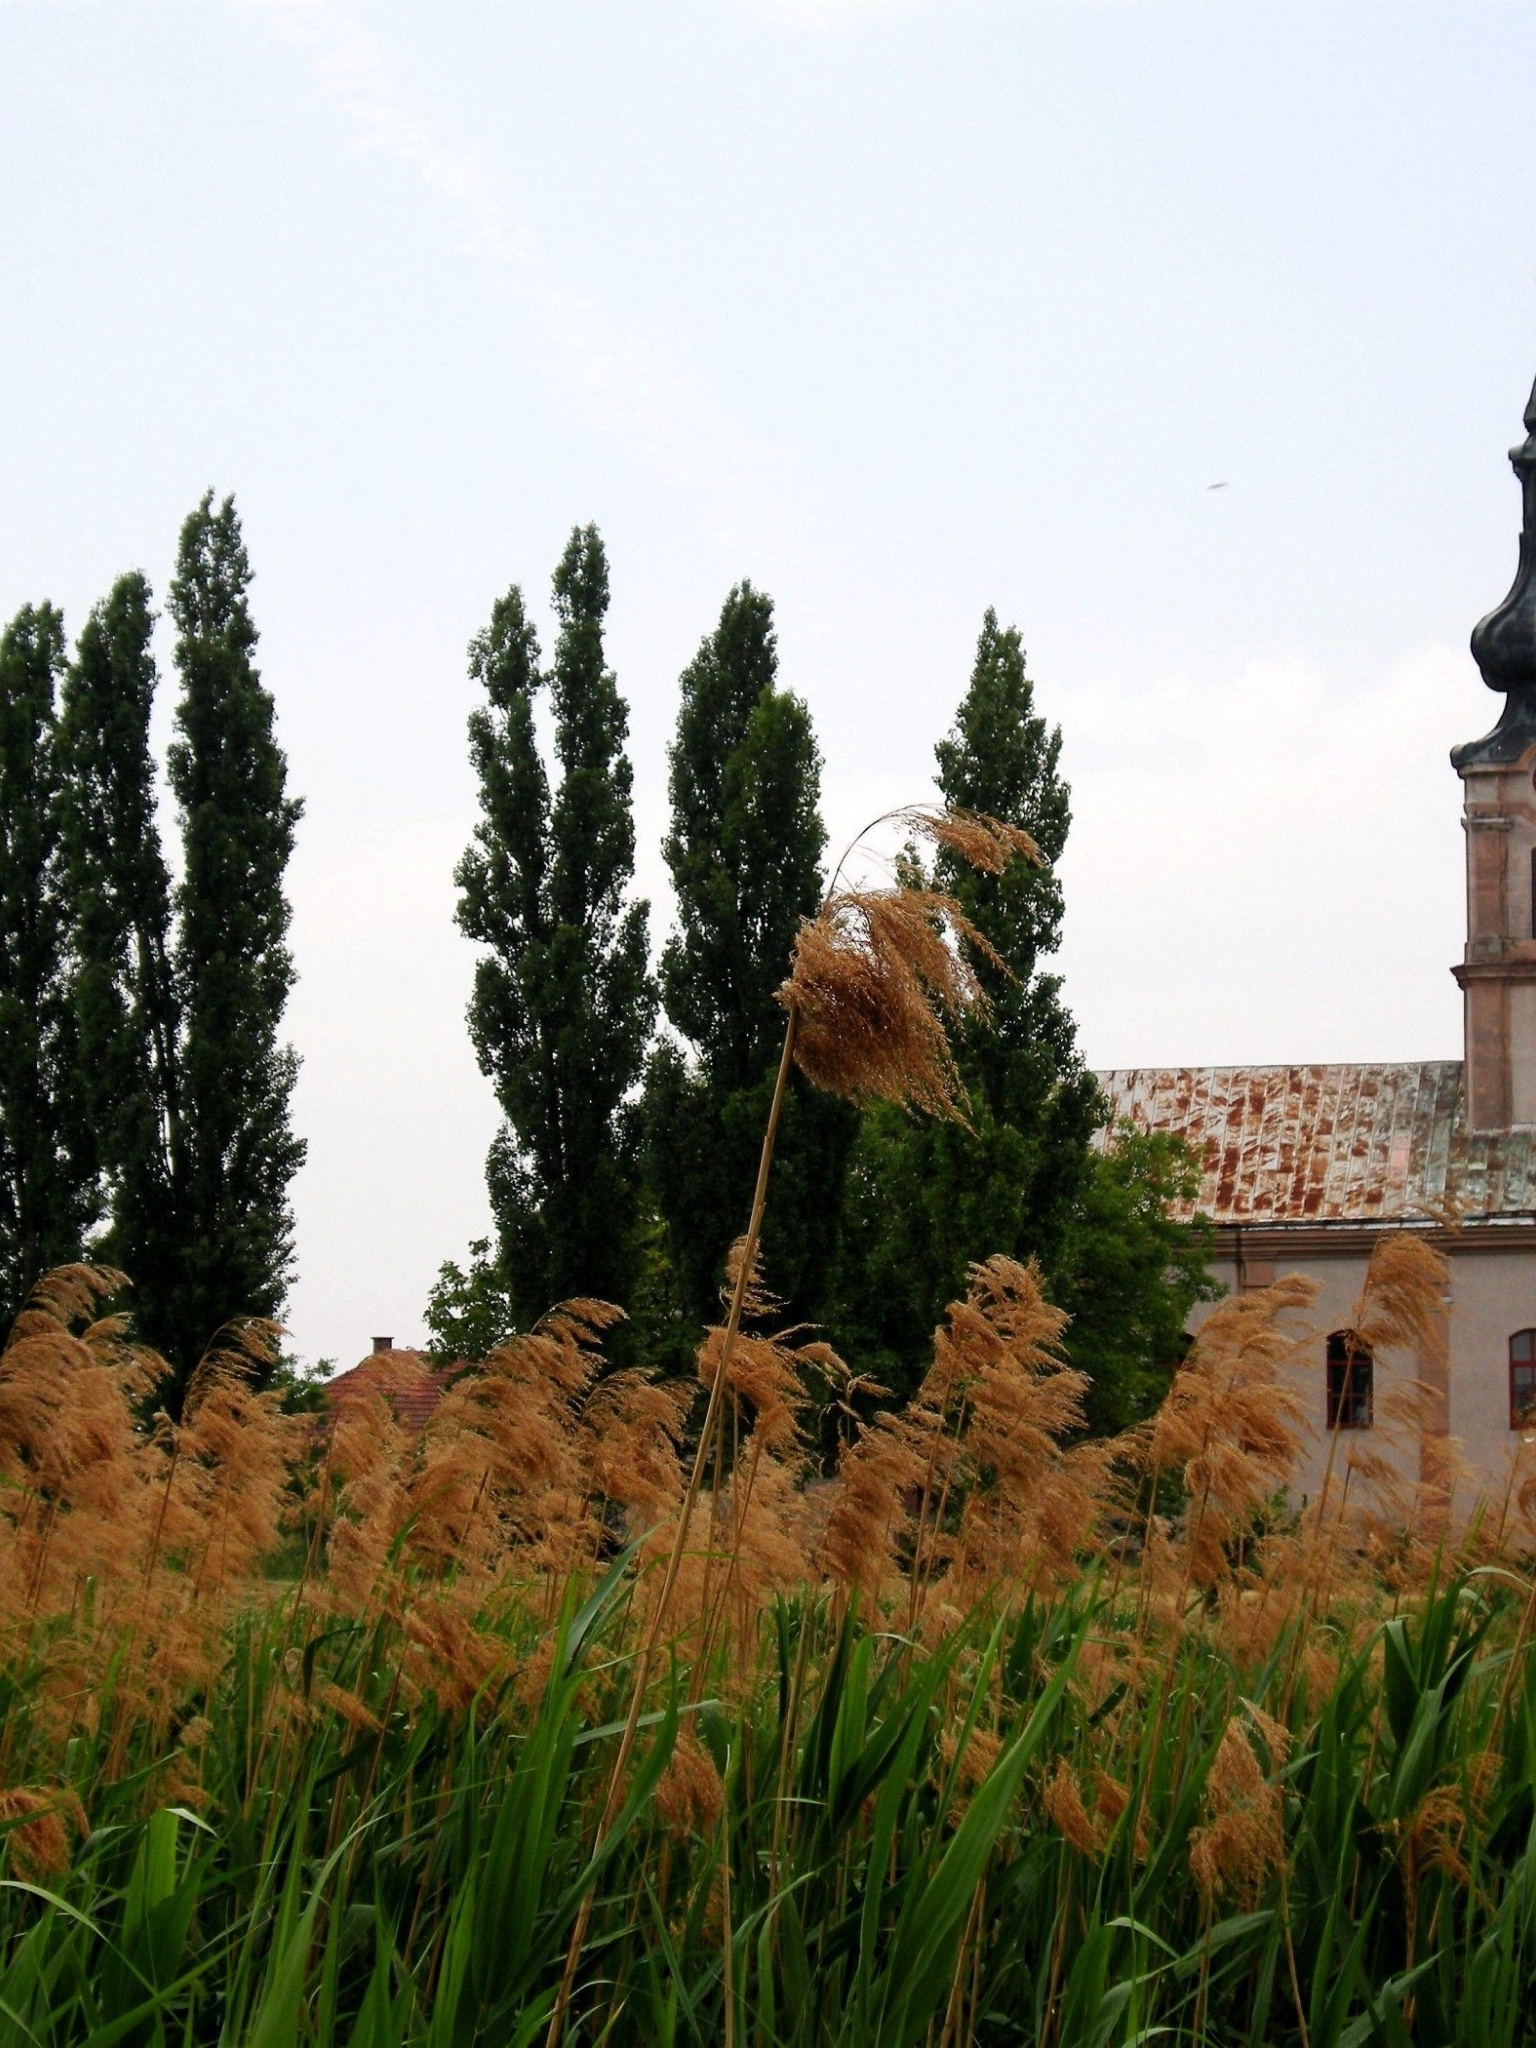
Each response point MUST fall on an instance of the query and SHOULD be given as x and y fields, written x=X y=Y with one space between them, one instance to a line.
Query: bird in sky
x=1217 y=487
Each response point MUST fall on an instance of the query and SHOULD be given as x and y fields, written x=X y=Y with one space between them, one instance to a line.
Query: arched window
x=1351 y=1373
x=1522 y=1379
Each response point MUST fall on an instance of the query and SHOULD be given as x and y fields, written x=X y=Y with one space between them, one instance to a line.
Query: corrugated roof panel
x=1330 y=1144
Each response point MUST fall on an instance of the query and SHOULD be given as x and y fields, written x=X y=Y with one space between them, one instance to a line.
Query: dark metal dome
x=1504 y=643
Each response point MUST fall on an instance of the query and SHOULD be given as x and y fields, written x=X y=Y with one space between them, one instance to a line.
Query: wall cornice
x=1262 y=1242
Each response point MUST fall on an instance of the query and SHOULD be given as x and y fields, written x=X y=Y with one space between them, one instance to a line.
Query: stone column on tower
x=1498 y=773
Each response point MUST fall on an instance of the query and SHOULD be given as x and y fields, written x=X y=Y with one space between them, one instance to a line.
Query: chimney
x=383 y=1343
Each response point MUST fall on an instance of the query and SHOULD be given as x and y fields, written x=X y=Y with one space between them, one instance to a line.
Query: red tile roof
x=414 y=1387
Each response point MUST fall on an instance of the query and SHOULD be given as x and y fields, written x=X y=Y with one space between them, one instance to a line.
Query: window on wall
x=1522 y=1379
x=1351 y=1378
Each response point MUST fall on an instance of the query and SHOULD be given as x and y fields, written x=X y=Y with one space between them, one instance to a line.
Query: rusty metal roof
x=1346 y=1144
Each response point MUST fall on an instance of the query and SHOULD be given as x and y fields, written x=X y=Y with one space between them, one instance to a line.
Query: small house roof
x=1331 y=1144
x=414 y=1387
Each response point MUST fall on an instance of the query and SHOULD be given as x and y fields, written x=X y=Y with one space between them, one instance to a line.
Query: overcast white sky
x=899 y=309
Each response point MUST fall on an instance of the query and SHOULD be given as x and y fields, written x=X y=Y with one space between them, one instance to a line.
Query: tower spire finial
x=1504 y=643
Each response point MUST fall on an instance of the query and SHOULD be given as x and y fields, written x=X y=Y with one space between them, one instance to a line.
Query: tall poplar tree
x=232 y=1248
x=48 y=1180
x=745 y=852
x=563 y=1000
x=1025 y=1178
x=120 y=900
x=1002 y=758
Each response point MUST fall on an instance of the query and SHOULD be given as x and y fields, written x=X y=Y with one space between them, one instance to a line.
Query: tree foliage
x=745 y=851
x=123 y=989
x=1026 y=1177
x=745 y=844
x=48 y=1181
x=225 y=1244
x=139 y=1025
x=563 y=1000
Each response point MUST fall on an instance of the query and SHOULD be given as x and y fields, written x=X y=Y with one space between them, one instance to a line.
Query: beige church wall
x=1492 y=1295
x=1338 y=1282
x=1522 y=1051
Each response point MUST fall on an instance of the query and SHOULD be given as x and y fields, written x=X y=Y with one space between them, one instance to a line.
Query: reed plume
x=410 y=1670
x=887 y=968
x=1231 y=1423
x=1241 y=1839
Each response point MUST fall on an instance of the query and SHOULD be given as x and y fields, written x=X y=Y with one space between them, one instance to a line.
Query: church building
x=1304 y=1168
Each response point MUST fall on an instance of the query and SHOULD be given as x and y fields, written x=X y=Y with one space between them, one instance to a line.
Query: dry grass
x=134 y=1558
x=536 y=1465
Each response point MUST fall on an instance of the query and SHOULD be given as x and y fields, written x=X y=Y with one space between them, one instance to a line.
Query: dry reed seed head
x=1030 y=1504
x=757 y=1303
x=1483 y=1775
x=689 y=1797
x=1520 y=1487
x=359 y=1496
x=72 y=1509
x=1110 y=1800
x=35 y=1828
x=634 y=1426
x=65 y=1296
x=583 y=1321
x=445 y=1656
x=876 y=976
x=768 y=1523
x=1063 y=1801
x=971 y=1764
x=771 y=1370
x=244 y=1346
x=236 y=1451
x=348 y=1707
x=982 y=1749
x=1233 y=1420
x=880 y=1476
x=1276 y=1736
x=1232 y=1387
x=770 y=1374
x=1242 y=1840
x=194 y=1733
x=502 y=1465
x=1405 y=1297
x=1432 y=1835
x=982 y=841
x=139 y=1370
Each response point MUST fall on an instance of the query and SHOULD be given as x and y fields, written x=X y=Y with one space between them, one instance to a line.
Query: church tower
x=1498 y=773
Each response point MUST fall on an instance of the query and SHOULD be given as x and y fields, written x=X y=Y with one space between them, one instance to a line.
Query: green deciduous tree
x=123 y=991
x=1129 y=1273
x=745 y=851
x=234 y=1153
x=563 y=1001
x=1026 y=1177
x=48 y=1181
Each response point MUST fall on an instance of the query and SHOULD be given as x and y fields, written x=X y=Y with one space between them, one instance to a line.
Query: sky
x=1192 y=337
